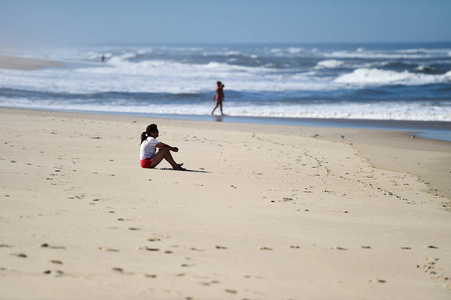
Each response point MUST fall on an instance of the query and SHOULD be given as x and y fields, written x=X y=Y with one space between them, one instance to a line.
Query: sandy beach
x=21 y=63
x=263 y=212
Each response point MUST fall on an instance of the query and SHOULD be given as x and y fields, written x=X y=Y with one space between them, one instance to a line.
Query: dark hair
x=151 y=128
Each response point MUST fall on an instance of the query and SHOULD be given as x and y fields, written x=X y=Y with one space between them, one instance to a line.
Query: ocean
x=277 y=83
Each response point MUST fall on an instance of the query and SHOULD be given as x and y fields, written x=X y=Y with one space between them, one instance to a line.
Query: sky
x=65 y=22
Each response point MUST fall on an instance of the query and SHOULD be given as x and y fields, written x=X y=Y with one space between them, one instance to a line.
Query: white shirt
x=147 y=148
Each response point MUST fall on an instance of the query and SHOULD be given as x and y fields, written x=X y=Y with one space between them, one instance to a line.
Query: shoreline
x=263 y=212
x=433 y=130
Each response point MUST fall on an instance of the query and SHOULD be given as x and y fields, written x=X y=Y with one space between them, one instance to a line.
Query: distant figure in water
x=103 y=58
x=219 y=97
x=148 y=147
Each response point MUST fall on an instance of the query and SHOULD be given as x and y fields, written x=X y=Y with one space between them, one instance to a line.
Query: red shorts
x=146 y=163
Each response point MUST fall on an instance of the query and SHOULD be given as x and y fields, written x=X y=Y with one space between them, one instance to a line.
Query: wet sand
x=263 y=212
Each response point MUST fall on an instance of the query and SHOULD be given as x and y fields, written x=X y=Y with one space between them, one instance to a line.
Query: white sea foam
x=233 y=53
x=370 y=111
x=376 y=55
x=295 y=50
x=414 y=51
x=145 y=51
x=152 y=70
x=378 y=77
x=329 y=64
x=160 y=77
x=276 y=50
x=121 y=75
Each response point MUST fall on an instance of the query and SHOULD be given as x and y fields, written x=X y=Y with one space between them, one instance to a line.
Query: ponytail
x=151 y=128
x=143 y=137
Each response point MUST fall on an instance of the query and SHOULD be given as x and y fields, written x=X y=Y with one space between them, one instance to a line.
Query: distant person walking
x=103 y=58
x=219 y=96
x=148 y=147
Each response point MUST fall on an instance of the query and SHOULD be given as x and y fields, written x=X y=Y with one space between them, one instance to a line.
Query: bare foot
x=179 y=167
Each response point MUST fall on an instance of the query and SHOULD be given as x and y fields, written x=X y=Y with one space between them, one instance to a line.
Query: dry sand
x=264 y=212
x=22 y=63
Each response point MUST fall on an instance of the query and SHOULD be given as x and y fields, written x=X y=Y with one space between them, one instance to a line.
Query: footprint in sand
x=377 y=280
x=119 y=270
x=338 y=248
x=432 y=268
x=153 y=239
x=220 y=247
x=108 y=249
x=195 y=249
x=440 y=277
x=252 y=276
x=22 y=255
x=45 y=245
x=148 y=248
x=264 y=248
x=57 y=272
x=54 y=261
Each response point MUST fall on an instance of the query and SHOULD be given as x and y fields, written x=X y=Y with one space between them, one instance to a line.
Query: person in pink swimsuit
x=219 y=96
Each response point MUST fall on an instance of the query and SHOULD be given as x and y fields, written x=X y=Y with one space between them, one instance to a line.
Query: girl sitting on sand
x=148 y=155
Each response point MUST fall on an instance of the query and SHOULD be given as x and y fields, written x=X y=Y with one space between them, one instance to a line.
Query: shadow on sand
x=187 y=170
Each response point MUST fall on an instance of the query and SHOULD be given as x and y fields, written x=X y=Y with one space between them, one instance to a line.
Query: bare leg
x=165 y=154
x=217 y=104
